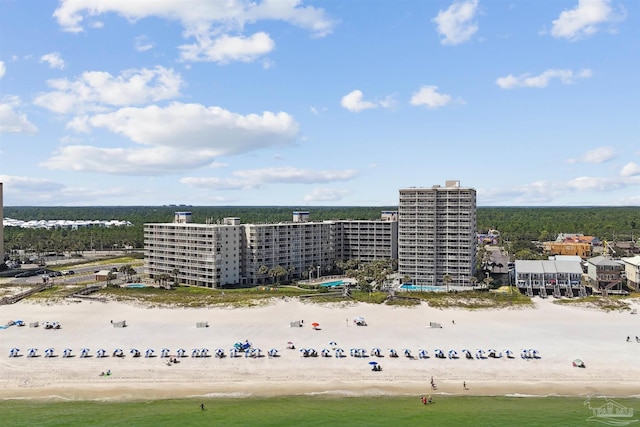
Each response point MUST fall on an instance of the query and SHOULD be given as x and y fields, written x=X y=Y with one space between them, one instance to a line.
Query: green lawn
x=307 y=411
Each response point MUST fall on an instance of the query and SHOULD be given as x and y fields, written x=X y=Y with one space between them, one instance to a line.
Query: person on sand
x=464 y=385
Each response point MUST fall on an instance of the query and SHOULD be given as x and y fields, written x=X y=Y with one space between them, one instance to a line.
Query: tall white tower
x=437 y=234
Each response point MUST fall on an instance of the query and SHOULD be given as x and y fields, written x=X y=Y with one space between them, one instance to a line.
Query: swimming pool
x=423 y=288
x=135 y=285
x=332 y=284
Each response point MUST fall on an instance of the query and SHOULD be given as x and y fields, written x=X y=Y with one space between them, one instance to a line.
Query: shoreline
x=170 y=390
x=559 y=333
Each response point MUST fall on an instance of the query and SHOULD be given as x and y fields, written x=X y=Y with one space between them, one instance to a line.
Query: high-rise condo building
x=231 y=253
x=437 y=234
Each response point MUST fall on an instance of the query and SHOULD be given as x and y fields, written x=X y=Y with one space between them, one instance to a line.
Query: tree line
x=518 y=225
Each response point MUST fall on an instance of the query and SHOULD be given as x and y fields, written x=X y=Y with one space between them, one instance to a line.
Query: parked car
x=26 y=274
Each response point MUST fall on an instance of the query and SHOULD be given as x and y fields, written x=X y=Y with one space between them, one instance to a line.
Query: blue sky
x=310 y=103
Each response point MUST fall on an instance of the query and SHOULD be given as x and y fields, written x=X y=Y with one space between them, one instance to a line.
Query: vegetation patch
x=473 y=300
x=613 y=303
x=403 y=302
x=193 y=296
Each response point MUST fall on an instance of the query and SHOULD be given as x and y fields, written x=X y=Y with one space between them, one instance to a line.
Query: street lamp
x=318 y=272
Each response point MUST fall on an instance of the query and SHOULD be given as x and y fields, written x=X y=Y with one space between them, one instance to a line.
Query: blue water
x=423 y=288
x=135 y=285
x=332 y=284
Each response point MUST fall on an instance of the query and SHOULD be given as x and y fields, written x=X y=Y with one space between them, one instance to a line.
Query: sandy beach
x=559 y=333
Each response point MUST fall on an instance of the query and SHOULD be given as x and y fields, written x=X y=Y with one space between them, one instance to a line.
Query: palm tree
x=175 y=273
x=110 y=278
x=277 y=272
x=473 y=280
x=262 y=271
x=126 y=271
x=164 y=280
x=446 y=279
x=487 y=281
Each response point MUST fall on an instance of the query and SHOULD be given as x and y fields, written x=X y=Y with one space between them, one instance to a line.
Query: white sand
x=559 y=333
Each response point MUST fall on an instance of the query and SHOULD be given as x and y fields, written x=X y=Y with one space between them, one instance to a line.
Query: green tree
x=263 y=270
x=276 y=273
x=110 y=278
x=446 y=279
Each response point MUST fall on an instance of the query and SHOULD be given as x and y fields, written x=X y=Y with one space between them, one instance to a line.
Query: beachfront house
x=632 y=272
x=605 y=274
x=545 y=277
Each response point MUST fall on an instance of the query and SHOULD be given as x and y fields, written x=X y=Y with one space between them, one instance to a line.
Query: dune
x=560 y=334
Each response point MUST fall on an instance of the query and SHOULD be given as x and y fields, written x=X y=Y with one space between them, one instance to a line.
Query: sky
x=318 y=103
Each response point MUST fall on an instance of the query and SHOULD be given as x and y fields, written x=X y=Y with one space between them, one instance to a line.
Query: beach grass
x=473 y=300
x=609 y=303
x=194 y=296
x=306 y=411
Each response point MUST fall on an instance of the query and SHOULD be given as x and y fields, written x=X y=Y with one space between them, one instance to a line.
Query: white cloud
x=326 y=195
x=142 y=43
x=599 y=155
x=3 y=69
x=54 y=60
x=26 y=184
x=94 y=90
x=584 y=20
x=292 y=175
x=12 y=121
x=213 y=183
x=353 y=102
x=22 y=190
x=584 y=183
x=429 y=96
x=256 y=178
x=630 y=169
x=225 y=49
x=316 y=110
x=544 y=192
x=206 y=21
x=194 y=125
x=177 y=137
x=542 y=80
x=127 y=161
x=455 y=24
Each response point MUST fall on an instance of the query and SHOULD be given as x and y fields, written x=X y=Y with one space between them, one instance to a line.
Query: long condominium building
x=231 y=253
x=437 y=234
